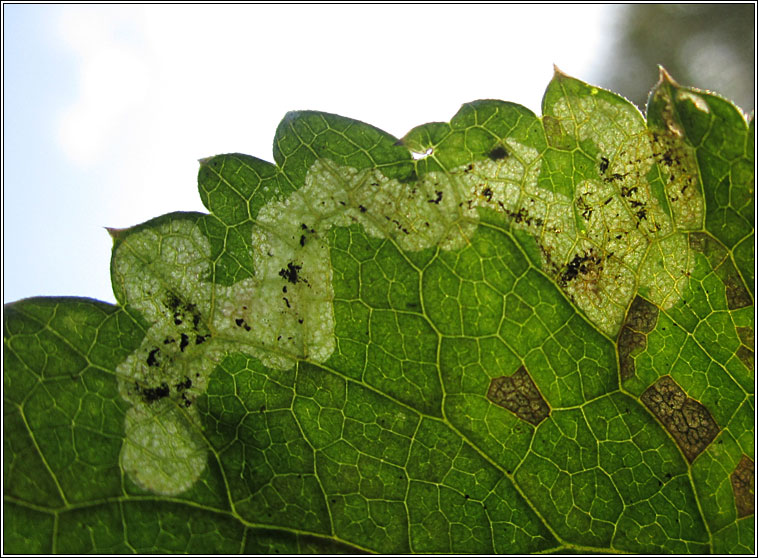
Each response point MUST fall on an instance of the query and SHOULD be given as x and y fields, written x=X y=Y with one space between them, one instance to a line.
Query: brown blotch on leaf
x=746 y=335
x=519 y=395
x=629 y=342
x=688 y=421
x=642 y=315
x=711 y=248
x=737 y=296
x=640 y=320
x=743 y=486
x=698 y=241
x=747 y=357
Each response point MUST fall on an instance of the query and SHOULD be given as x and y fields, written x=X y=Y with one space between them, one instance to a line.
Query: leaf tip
x=558 y=73
x=665 y=77
x=115 y=233
x=204 y=161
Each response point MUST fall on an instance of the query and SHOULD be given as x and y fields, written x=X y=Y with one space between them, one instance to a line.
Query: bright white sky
x=108 y=109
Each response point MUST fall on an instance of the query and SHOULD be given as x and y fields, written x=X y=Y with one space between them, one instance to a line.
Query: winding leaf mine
x=503 y=334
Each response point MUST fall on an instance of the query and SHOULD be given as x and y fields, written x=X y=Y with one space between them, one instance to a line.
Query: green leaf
x=504 y=334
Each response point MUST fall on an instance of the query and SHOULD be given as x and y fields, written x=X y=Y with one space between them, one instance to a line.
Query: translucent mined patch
x=628 y=239
x=666 y=270
x=417 y=215
x=609 y=125
x=163 y=272
x=679 y=165
x=284 y=312
x=163 y=451
x=175 y=254
x=597 y=266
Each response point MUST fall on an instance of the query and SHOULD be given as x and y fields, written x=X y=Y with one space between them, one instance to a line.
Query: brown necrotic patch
x=737 y=296
x=642 y=315
x=698 y=241
x=746 y=335
x=519 y=395
x=745 y=352
x=688 y=421
x=629 y=342
x=632 y=339
x=743 y=486
x=711 y=248
x=747 y=356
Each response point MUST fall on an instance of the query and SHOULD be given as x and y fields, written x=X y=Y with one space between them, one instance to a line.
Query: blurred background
x=107 y=108
x=708 y=46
